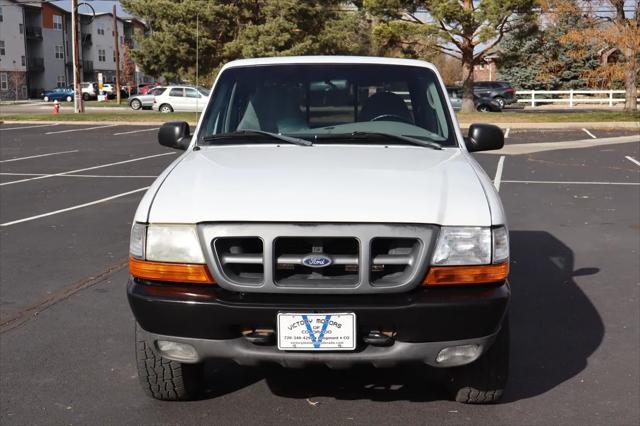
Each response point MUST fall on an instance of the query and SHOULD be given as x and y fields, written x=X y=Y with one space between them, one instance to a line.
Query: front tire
x=165 y=108
x=86 y=97
x=135 y=104
x=500 y=100
x=69 y=99
x=483 y=108
x=483 y=381
x=164 y=379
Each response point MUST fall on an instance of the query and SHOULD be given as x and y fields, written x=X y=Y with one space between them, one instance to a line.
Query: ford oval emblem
x=316 y=261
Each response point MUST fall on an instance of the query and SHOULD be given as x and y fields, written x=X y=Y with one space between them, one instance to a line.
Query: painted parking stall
x=572 y=213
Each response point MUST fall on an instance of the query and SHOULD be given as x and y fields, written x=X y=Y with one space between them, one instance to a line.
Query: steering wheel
x=391 y=117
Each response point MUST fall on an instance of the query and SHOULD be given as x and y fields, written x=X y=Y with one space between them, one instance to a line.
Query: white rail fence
x=571 y=97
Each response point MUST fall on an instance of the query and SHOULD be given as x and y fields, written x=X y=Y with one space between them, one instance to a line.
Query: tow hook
x=260 y=337
x=376 y=338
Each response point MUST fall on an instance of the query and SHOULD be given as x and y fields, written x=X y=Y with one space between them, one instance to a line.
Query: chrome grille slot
x=241 y=259
x=289 y=261
x=392 y=260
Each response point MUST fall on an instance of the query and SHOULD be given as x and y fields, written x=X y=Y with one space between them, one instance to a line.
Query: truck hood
x=323 y=183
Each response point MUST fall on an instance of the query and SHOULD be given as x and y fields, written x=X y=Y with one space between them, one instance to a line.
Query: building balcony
x=87 y=40
x=35 y=64
x=34 y=33
x=87 y=66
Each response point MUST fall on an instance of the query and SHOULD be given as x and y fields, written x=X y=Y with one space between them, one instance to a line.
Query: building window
x=4 y=81
x=24 y=61
x=1 y=16
x=100 y=29
x=57 y=22
x=59 y=52
x=61 y=81
x=21 y=28
x=2 y=52
x=102 y=55
x=24 y=91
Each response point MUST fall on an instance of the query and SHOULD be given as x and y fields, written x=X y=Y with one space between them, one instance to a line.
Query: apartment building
x=13 y=60
x=38 y=52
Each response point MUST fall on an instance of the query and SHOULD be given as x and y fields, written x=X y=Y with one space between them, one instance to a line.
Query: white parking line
x=498 y=178
x=79 y=130
x=38 y=156
x=81 y=176
x=633 y=160
x=589 y=133
x=29 y=127
x=135 y=131
x=571 y=183
x=79 y=206
x=506 y=133
x=85 y=169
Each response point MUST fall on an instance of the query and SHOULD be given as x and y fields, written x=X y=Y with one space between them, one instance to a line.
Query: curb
x=84 y=123
x=528 y=125
x=566 y=125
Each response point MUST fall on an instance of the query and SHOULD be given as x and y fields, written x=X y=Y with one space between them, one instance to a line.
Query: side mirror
x=175 y=134
x=484 y=137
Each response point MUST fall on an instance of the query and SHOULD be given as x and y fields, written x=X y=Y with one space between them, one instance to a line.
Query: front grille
x=318 y=258
x=290 y=252
x=241 y=258
x=392 y=260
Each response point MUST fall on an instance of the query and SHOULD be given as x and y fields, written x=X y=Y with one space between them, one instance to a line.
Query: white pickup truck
x=325 y=210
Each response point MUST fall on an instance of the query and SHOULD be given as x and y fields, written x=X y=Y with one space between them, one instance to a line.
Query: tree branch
x=501 y=32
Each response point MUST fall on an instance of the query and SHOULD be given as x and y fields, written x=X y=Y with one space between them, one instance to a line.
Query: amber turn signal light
x=188 y=273
x=464 y=275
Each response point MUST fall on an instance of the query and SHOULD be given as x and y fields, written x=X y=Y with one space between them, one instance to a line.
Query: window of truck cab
x=305 y=100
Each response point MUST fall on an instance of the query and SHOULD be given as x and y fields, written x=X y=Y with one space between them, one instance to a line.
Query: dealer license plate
x=317 y=332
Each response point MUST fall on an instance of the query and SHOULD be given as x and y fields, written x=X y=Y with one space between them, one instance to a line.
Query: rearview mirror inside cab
x=484 y=137
x=175 y=134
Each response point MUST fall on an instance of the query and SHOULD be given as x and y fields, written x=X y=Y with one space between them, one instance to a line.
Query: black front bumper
x=422 y=315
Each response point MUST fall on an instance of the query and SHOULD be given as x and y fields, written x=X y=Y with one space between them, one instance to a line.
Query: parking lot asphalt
x=67 y=198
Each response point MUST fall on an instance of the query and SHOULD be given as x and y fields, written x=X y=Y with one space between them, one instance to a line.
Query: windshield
x=309 y=101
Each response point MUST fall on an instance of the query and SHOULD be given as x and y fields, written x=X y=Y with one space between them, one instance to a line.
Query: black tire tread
x=164 y=379
x=483 y=381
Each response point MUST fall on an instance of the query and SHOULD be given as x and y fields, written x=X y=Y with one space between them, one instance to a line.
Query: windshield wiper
x=408 y=139
x=241 y=133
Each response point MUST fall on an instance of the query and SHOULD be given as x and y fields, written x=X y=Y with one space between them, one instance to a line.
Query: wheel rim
x=165 y=108
x=500 y=102
x=69 y=99
x=135 y=104
x=46 y=99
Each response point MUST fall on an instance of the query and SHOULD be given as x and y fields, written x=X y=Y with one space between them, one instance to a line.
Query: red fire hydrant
x=56 y=107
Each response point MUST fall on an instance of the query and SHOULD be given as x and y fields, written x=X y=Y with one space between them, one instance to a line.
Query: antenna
x=197 y=48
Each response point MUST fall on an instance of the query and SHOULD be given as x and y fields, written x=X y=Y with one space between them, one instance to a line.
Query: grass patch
x=548 y=117
x=115 y=116
x=126 y=115
x=111 y=104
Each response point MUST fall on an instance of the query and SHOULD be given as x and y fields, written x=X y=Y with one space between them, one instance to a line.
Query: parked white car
x=89 y=91
x=181 y=98
x=327 y=210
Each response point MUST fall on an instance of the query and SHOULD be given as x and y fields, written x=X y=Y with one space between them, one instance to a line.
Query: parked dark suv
x=500 y=91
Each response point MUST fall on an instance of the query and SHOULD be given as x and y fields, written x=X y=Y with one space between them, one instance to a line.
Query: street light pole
x=117 y=53
x=77 y=92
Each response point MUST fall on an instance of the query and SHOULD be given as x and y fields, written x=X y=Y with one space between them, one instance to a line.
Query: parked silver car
x=145 y=101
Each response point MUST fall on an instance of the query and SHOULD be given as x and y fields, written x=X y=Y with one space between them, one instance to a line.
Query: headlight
x=469 y=255
x=471 y=246
x=167 y=253
x=173 y=243
x=463 y=246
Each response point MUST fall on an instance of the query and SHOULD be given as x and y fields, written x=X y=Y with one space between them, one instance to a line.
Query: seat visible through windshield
x=313 y=99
